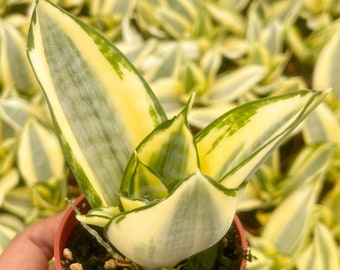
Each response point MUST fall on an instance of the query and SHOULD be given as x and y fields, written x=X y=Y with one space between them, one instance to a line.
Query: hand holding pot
x=33 y=247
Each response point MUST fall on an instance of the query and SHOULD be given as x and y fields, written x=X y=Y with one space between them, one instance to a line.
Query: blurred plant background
x=227 y=51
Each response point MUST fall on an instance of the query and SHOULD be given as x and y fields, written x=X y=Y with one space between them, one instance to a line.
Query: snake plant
x=161 y=192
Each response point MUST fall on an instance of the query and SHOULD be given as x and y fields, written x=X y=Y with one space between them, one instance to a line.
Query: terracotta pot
x=244 y=243
x=69 y=222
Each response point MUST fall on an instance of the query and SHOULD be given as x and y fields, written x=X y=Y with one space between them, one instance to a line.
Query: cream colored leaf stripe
x=75 y=65
x=243 y=137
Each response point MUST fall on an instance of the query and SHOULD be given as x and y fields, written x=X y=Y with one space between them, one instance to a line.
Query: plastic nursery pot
x=66 y=227
x=69 y=222
x=241 y=233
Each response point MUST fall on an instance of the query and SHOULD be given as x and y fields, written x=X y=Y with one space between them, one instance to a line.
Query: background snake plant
x=177 y=191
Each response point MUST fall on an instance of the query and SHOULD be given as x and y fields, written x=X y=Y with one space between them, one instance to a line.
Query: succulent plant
x=227 y=52
x=178 y=191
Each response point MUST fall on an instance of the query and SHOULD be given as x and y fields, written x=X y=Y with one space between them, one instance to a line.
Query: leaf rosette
x=161 y=192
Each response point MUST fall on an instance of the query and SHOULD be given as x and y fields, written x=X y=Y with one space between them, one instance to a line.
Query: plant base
x=230 y=253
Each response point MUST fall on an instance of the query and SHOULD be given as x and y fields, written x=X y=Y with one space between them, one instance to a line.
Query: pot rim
x=66 y=227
